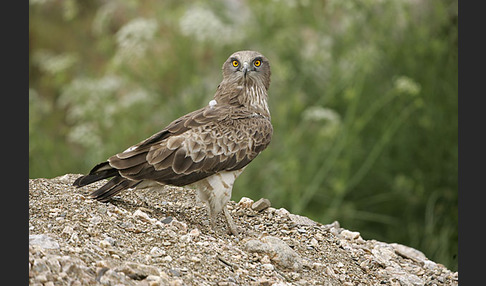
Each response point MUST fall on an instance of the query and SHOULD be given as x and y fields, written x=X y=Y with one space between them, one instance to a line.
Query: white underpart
x=216 y=190
x=212 y=103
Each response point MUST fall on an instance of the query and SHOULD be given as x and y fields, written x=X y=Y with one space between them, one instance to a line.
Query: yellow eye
x=235 y=63
x=257 y=63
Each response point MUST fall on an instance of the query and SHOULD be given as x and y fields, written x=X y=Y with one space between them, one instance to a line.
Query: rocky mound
x=162 y=237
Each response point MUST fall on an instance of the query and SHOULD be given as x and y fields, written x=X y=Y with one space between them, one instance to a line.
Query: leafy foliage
x=363 y=100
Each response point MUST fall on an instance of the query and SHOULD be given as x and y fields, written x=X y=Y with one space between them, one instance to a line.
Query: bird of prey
x=206 y=149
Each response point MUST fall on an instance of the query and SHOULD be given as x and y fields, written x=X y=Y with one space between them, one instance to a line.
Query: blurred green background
x=363 y=100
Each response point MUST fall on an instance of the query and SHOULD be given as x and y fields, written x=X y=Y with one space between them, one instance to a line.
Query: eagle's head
x=247 y=68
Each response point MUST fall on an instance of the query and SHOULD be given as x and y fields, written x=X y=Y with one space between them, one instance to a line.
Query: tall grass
x=363 y=100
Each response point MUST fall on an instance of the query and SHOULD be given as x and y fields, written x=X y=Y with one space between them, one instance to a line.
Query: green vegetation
x=363 y=100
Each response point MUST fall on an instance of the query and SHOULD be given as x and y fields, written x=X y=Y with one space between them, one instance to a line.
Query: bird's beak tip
x=246 y=68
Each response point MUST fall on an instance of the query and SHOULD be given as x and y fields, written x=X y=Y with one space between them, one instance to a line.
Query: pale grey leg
x=230 y=222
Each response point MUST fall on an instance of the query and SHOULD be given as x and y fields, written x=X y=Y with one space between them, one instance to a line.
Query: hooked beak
x=246 y=68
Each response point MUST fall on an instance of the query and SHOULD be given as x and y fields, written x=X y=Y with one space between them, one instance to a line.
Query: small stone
x=294 y=275
x=95 y=220
x=265 y=259
x=431 y=265
x=110 y=240
x=153 y=280
x=350 y=235
x=104 y=244
x=409 y=252
x=301 y=220
x=68 y=230
x=53 y=263
x=185 y=238
x=335 y=224
x=74 y=238
x=119 y=211
x=263 y=282
x=317 y=266
x=364 y=265
x=40 y=265
x=282 y=212
x=283 y=284
x=179 y=225
x=54 y=212
x=64 y=178
x=405 y=278
x=261 y=204
x=176 y=282
x=245 y=203
x=330 y=272
x=102 y=264
x=342 y=277
x=137 y=270
x=111 y=277
x=194 y=233
x=43 y=241
x=268 y=266
x=157 y=252
x=41 y=278
x=384 y=254
x=278 y=250
x=167 y=220
x=142 y=216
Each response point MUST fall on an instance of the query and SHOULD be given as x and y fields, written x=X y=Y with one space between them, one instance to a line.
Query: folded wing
x=191 y=148
x=196 y=146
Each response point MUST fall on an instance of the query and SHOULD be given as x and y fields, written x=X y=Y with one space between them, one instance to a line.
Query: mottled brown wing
x=196 y=146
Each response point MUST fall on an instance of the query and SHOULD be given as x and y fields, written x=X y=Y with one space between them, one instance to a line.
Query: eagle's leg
x=229 y=220
x=215 y=191
x=212 y=214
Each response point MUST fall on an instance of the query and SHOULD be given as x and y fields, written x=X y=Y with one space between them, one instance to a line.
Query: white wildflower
x=134 y=38
x=51 y=63
x=319 y=113
x=204 y=25
x=404 y=84
x=134 y=97
x=103 y=17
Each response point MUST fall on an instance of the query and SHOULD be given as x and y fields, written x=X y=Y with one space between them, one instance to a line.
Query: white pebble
x=157 y=252
x=282 y=212
x=350 y=235
x=142 y=216
x=268 y=266
x=194 y=233
x=245 y=202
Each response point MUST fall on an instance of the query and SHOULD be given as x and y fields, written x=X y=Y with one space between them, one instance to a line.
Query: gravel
x=163 y=237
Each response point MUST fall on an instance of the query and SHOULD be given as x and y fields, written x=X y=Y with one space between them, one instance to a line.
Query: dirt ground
x=162 y=237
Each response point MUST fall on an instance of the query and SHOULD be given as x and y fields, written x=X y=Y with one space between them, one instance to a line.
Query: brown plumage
x=207 y=148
